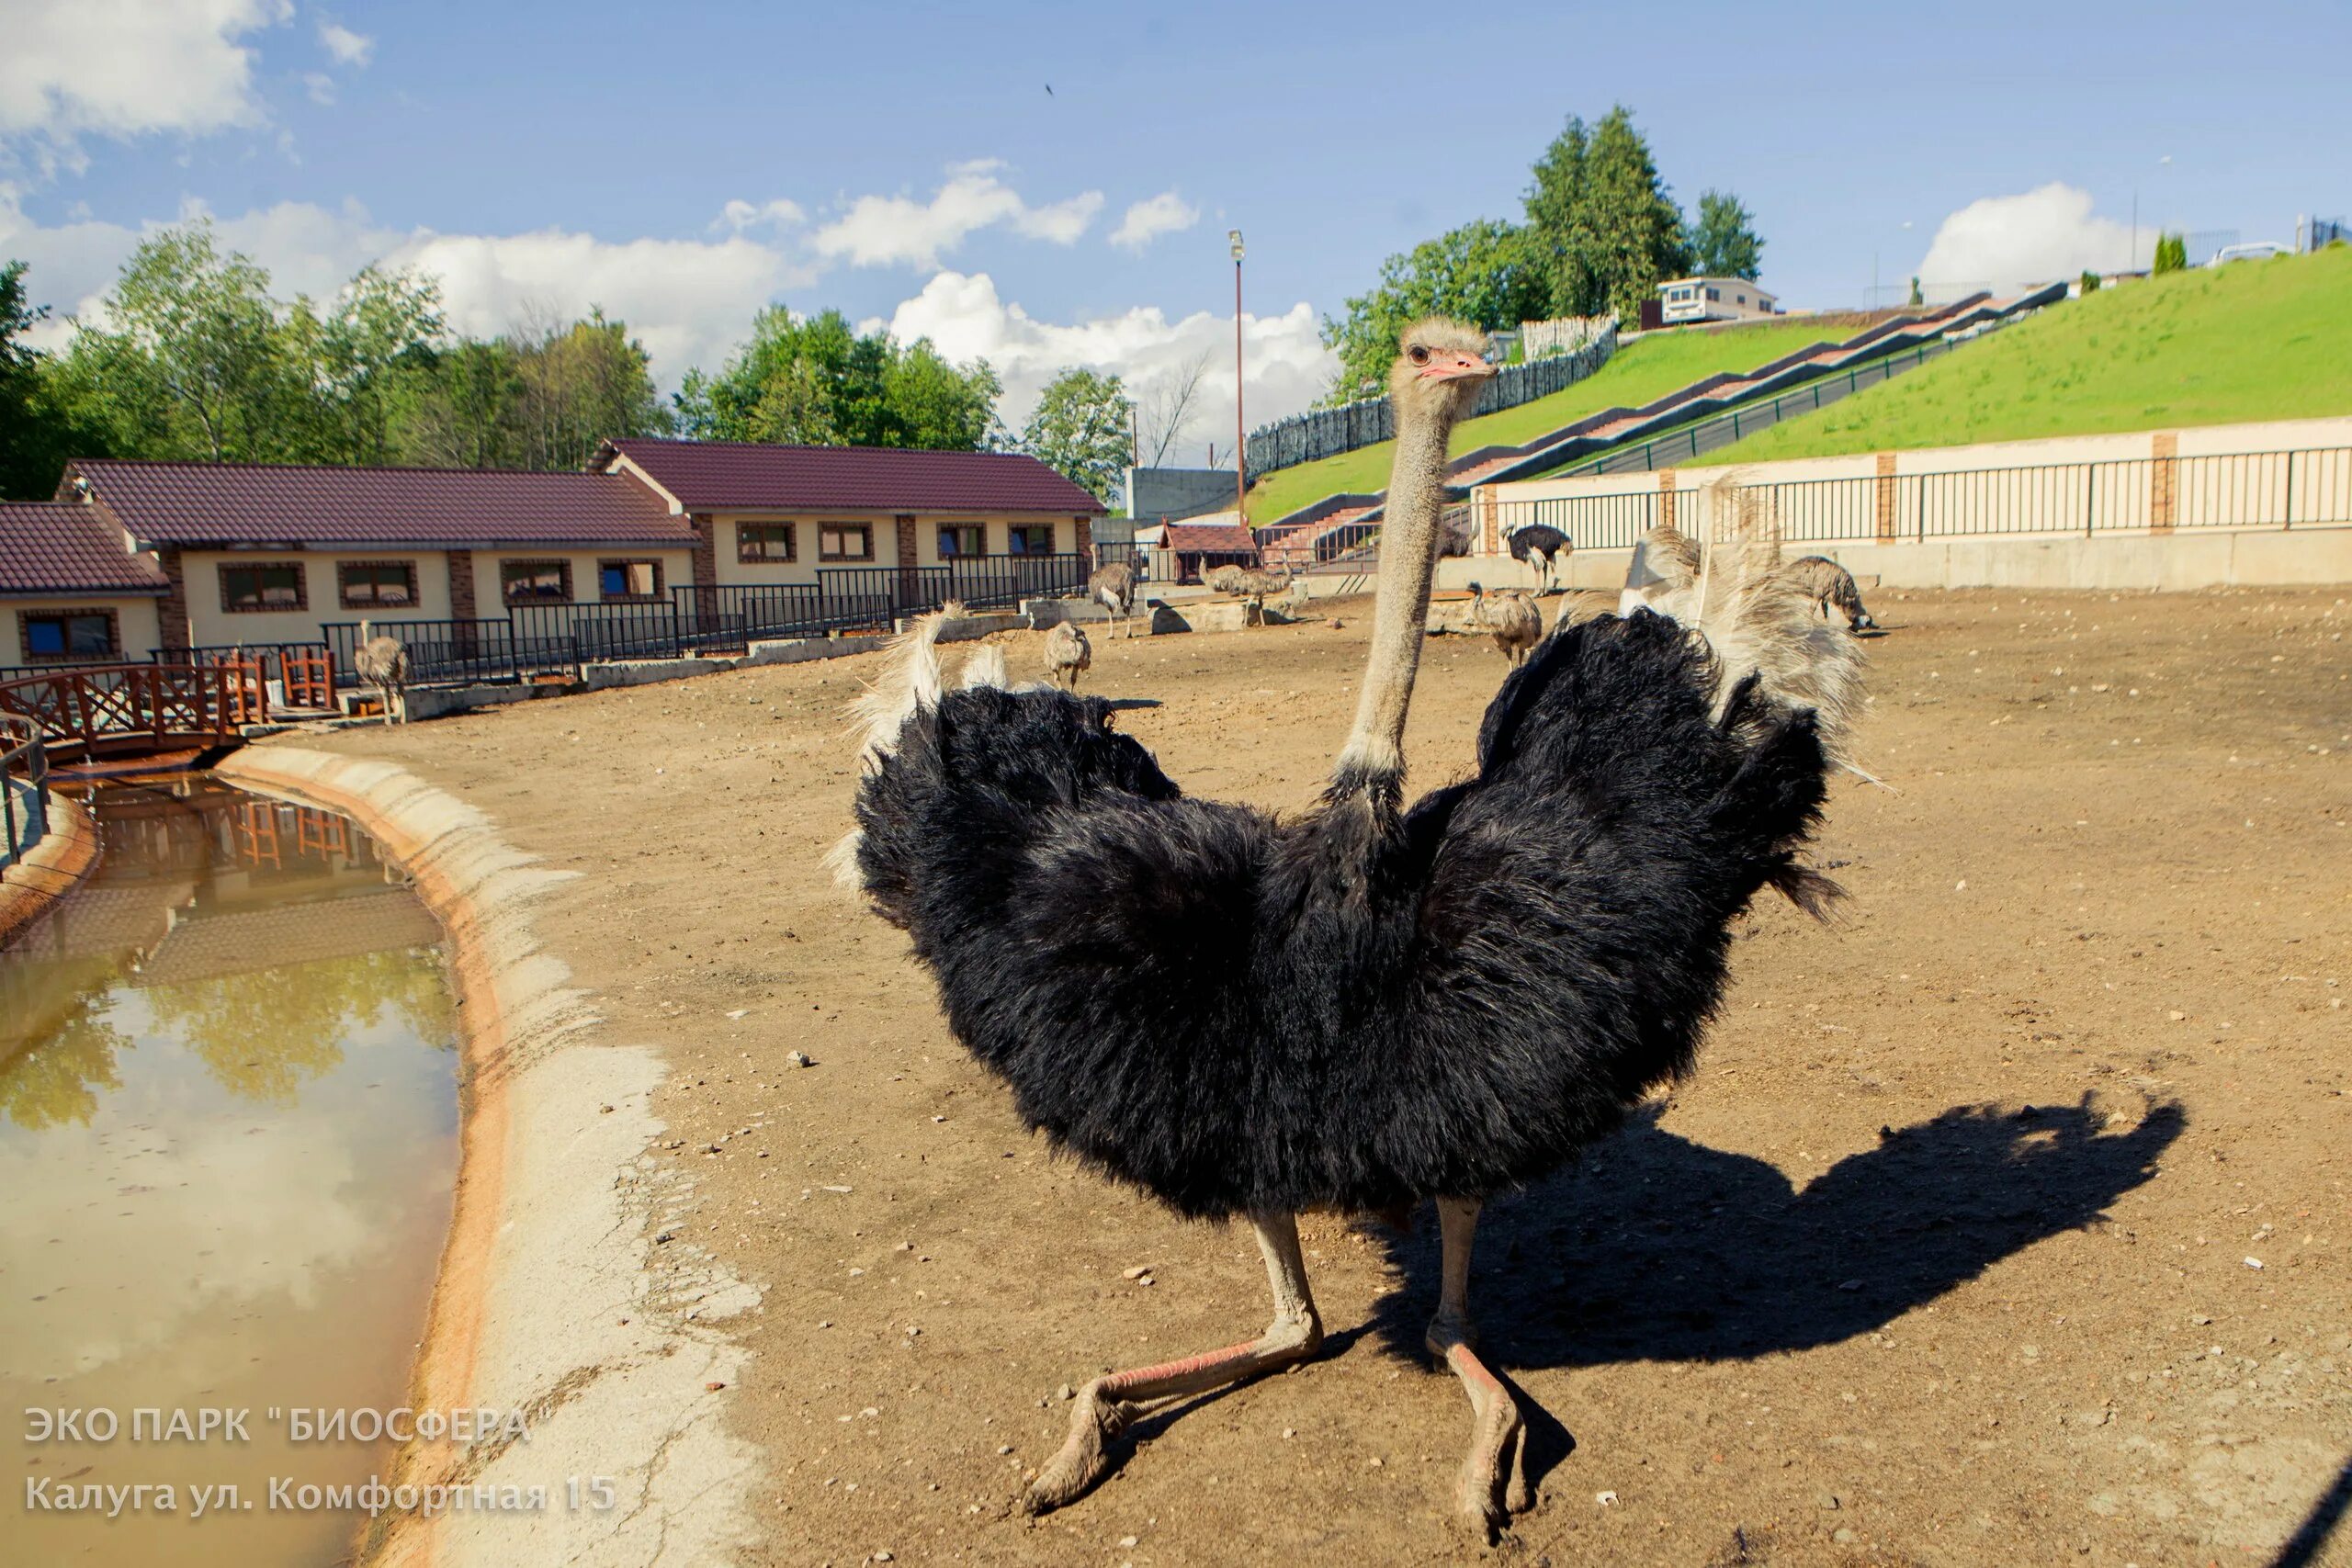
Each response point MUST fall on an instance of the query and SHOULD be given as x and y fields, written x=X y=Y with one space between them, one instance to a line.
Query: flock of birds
x=1372 y=1003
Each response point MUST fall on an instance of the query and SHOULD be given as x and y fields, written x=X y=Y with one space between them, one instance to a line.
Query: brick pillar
x=171 y=611
x=2164 y=481
x=1666 y=497
x=462 y=586
x=1882 y=500
x=706 y=550
x=910 y=590
x=1491 y=520
x=1083 y=531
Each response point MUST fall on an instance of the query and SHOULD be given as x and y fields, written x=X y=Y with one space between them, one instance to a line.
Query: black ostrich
x=1365 y=1006
x=1538 y=544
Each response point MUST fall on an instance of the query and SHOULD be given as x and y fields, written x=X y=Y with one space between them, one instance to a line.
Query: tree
x=464 y=409
x=2089 y=281
x=1917 y=298
x=38 y=433
x=1726 y=244
x=580 y=382
x=194 y=352
x=1079 y=429
x=1483 y=273
x=1600 y=222
x=361 y=362
x=815 y=382
x=2172 y=254
x=1165 y=409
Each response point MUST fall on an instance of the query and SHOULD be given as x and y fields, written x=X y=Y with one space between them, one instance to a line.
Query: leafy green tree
x=1079 y=429
x=194 y=359
x=2090 y=281
x=38 y=432
x=463 y=408
x=1484 y=273
x=581 y=382
x=1917 y=298
x=815 y=382
x=1601 y=220
x=362 y=362
x=2172 y=254
x=1726 y=244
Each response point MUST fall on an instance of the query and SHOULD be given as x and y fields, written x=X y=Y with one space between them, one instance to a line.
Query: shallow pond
x=228 y=1136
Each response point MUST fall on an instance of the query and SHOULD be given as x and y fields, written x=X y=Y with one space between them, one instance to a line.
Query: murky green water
x=228 y=1135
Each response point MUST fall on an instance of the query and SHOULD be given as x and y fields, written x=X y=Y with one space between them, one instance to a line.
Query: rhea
x=1365 y=1006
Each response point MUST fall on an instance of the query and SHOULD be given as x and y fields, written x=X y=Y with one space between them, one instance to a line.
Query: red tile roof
x=48 y=546
x=712 y=475
x=253 y=504
x=1218 y=538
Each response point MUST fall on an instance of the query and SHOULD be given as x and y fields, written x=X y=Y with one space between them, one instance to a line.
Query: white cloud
x=126 y=68
x=1166 y=213
x=691 y=301
x=320 y=86
x=878 y=230
x=2003 y=241
x=347 y=47
x=1286 y=365
x=740 y=215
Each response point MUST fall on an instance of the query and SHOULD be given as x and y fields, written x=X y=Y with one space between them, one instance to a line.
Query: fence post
x=1882 y=500
x=2090 y=498
x=1666 y=497
x=2287 y=518
x=2164 y=477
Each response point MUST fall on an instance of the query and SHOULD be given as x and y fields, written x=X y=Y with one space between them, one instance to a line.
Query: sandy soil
x=1946 y=1253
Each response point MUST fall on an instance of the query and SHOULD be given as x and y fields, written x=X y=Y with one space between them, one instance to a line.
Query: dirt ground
x=2006 y=1223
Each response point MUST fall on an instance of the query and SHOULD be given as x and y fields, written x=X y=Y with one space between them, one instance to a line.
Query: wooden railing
x=119 y=709
x=24 y=787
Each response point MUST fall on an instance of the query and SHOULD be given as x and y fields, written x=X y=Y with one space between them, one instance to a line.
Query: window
x=274 y=585
x=535 y=581
x=844 y=541
x=958 y=539
x=70 y=634
x=1037 y=541
x=629 y=579
x=764 y=541
x=1714 y=293
x=377 y=584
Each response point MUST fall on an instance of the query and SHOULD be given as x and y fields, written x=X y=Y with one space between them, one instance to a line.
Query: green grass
x=2252 y=341
x=1636 y=374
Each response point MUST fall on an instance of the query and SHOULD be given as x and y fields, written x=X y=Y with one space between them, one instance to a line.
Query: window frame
x=344 y=568
x=653 y=595
x=563 y=579
x=65 y=618
x=301 y=587
x=745 y=532
x=1017 y=531
x=866 y=529
x=977 y=530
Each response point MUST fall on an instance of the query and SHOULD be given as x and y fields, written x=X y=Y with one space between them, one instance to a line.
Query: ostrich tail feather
x=908 y=681
x=1735 y=598
x=986 y=668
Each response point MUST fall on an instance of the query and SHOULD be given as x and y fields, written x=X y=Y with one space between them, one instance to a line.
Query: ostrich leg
x=1497 y=1458
x=1107 y=1404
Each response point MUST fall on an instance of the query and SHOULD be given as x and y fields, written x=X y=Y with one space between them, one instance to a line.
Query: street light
x=1240 y=440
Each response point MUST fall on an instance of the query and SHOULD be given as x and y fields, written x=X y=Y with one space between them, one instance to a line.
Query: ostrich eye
x=1417 y=354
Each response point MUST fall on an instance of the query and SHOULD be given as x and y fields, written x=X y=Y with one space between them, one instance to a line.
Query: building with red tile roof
x=74 y=588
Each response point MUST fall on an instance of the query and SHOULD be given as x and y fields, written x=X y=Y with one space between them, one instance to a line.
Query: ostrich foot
x=1493 y=1482
x=1109 y=1404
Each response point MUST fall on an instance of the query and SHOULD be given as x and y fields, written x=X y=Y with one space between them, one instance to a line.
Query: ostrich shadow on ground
x=1655 y=1248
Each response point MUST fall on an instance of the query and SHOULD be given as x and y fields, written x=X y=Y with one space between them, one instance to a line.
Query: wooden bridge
x=91 y=712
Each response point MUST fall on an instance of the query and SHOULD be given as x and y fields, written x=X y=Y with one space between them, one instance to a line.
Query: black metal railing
x=480 y=649
x=2308 y=488
x=24 y=787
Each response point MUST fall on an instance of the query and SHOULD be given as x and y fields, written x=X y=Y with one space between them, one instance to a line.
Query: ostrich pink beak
x=1455 y=366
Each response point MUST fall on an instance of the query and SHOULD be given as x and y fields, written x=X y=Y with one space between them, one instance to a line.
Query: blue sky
x=907 y=164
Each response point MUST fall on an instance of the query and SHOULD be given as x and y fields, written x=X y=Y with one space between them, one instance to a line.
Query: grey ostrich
x=1366 y=1004
x=1114 y=587
x=1512 y=617
x=1067 y=654
x=382 y=662
x=1828 y=584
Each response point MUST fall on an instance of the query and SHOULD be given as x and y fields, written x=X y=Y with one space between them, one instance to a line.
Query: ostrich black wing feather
x=1360 y=1006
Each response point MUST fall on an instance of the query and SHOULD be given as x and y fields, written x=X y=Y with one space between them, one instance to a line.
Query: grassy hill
x=2251 y=341
x=1643 y=370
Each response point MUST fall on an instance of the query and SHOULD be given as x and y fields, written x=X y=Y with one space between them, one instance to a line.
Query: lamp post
x=1240 y=438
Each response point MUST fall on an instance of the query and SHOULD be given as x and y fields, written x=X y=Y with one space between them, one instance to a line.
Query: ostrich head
x=1440 y=365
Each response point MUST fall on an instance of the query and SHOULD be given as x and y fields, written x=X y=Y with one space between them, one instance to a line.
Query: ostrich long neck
x=1407 y=562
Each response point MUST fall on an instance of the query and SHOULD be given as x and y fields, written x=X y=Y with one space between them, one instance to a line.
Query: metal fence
x=484 y=650
x=24 y=787
x=2308 y=488
x=1325 y=433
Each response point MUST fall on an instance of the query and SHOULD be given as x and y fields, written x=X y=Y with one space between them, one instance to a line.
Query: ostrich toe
x=1493 y=1482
